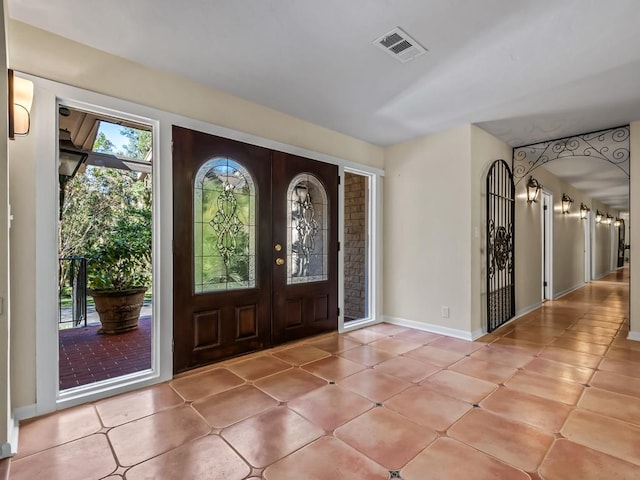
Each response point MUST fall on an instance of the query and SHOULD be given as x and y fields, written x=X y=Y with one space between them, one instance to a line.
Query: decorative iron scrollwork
x=306 y=226
x=501 y=248
x=226 y=223
x=609 y=145
x=500 y=245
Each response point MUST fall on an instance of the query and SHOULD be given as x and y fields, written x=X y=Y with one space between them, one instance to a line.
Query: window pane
x=307 y=226
x=224 y=233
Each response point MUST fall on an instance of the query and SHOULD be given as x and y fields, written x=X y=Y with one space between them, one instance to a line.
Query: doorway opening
x=587 y=246
x=357 y=249
x=104 y=247
x=547 y=246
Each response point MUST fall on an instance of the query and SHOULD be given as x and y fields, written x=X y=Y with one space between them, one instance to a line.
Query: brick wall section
x=355 y=245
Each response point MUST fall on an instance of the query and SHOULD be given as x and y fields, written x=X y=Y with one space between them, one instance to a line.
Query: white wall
x=42 y=54
x=427 y=232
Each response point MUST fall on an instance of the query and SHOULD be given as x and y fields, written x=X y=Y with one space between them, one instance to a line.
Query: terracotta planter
x=119 y=310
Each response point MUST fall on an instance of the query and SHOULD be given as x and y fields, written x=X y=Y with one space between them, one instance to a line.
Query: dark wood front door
x=255 y=248
x=305 y=224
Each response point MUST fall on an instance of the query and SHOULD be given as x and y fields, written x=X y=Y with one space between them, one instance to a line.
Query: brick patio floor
x=86 y=357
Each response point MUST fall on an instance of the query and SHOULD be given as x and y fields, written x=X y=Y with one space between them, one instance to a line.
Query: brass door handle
x=279 y=261
x=277 y=247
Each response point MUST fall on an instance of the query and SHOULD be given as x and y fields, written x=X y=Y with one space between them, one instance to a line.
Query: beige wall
x=45 y=55
x=568 y=241
x=427 y=233
x=634 y=219
x=23 y=268
x=49 y=56
x=5 y=400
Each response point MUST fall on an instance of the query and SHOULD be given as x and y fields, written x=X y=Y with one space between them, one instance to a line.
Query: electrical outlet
x=445 y=312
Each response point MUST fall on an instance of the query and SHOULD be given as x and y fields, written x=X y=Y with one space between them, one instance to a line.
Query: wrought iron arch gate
x=500 y=218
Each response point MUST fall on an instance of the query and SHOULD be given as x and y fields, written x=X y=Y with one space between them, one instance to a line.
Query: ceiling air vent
x=400 y=45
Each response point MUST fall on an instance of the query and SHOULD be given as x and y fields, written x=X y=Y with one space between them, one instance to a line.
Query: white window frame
x=374 y=258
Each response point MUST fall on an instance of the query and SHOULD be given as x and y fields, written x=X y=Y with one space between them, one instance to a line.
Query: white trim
x=568 y=290
x=46 y=96
x=603 y=275
x=587 y=247
x=22 y=413
x=520 y=313
x=6 y=450
x=525 y=310
x=635 y=336
x=15 y=436
x=429 y=327
x=547 y=245
x=357 y=324
x=377 y=213
x=341 y=251
x=373 y=208
x=10 y=448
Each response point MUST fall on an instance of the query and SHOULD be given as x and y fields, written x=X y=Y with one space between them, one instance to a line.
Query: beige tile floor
x=554 y=395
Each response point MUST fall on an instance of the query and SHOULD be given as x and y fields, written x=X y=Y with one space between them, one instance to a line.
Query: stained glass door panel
x=222 y=248
x=305 y=250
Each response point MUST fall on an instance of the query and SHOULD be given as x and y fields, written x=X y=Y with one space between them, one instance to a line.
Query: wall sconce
x=618 y=222
x=566 y=203
x=609 y=219
x=20 y=100
x=584 y=211
x=599 y=216
x=533 y=190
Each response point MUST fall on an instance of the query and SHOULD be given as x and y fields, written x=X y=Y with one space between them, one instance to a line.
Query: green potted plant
x=119 y=271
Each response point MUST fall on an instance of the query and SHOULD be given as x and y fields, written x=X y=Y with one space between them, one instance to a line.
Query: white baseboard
x=428 y=327
x=476 y=334
x=22 y=413
x=6 y=450
x=569 y=290
x=525 y=310
x=10 y=448
x=634 y=336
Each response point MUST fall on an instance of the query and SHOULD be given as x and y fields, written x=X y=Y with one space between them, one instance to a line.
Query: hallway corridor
x=554 y=395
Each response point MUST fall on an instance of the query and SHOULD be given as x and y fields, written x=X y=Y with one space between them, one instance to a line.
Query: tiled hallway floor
x=555 y=395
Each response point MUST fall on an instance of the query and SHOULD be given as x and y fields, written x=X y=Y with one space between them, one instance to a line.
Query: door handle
x=277 y=247
x=279 y=261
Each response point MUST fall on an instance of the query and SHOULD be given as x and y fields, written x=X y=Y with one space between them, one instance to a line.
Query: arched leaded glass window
x=224 y=206
x=307 y=230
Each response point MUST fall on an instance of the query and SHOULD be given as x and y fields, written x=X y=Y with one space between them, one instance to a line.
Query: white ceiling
x=524 y=70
